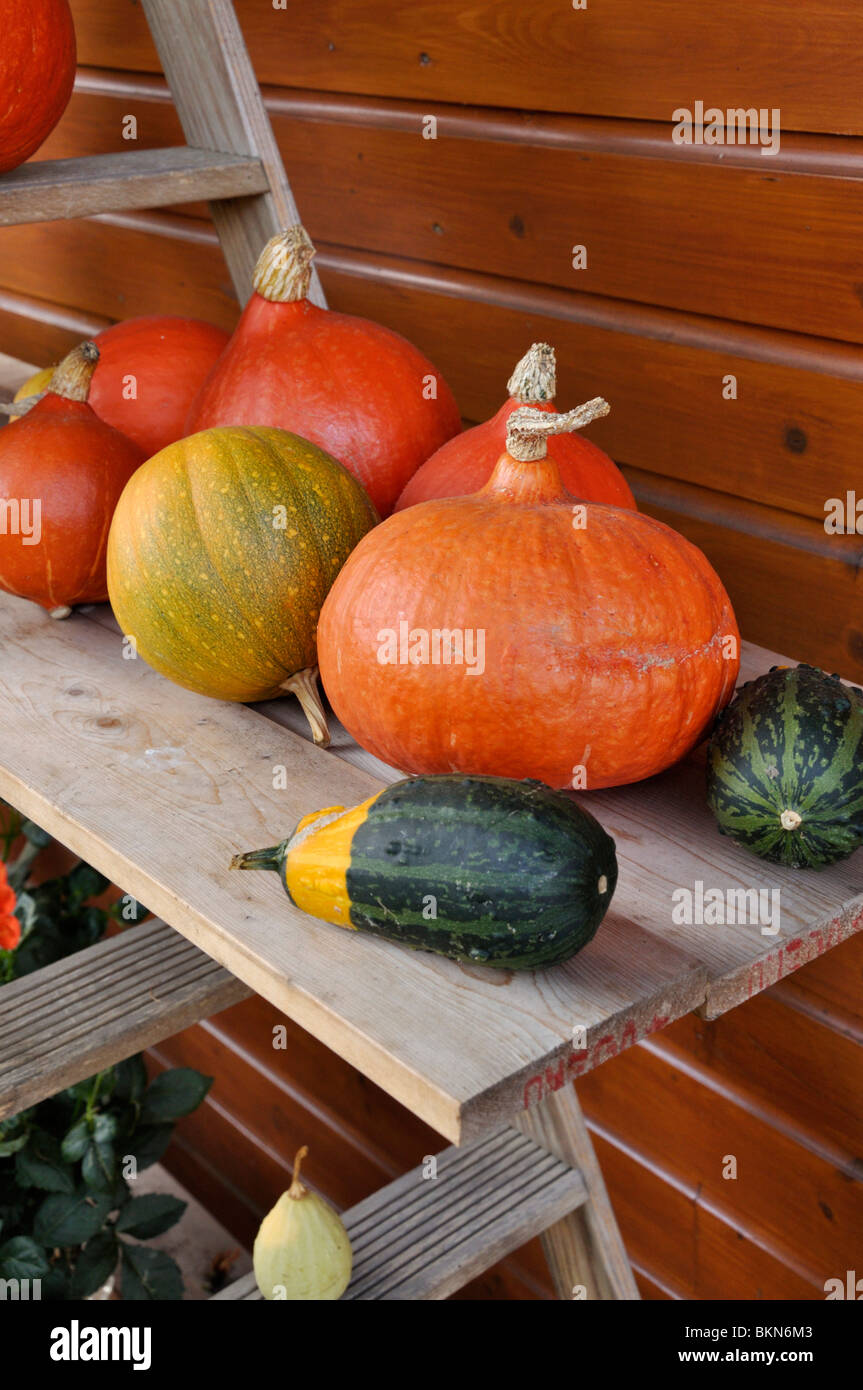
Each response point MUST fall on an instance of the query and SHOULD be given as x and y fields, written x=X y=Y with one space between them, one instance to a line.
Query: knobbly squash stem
x=304 y=684
x=298 y=1189
x=535 y=377
x=284 y=269
x=271 y=858
x=527 y=430
x=790 y=820
x=71 y=379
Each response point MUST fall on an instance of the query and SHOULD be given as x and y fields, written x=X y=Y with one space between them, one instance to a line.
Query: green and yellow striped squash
x=480 y=869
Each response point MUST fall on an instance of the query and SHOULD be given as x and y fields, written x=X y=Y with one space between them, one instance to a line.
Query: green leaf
x=149 y=1274
x=11 y=1146
x=99 y=1166
x=70 y=1219
x=130 y=1079
x=22 y=1258
x=95 y=1264
x=174 y=1093
x=35 y=834
x=55 y=1285
x=41 y=1164
x=148 y=1144
x=85 y=882
x=90 y=927
x=104 y=1128
x=150 y=1215
x=26 y=912
x=76 y=1141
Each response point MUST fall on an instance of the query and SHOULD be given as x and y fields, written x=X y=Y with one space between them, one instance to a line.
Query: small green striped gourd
x=480 y=869
x=785 y=768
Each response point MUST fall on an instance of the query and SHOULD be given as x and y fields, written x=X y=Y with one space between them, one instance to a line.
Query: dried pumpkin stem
x=62 y=612
x=535 y=377
x=298 y=1189
x=304 y=684
x=71 y=379
x=527 y=430
x=284 y=269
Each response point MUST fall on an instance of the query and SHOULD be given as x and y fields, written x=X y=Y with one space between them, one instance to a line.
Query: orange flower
x=10 y=932
x=7 y=894
x=10 y=927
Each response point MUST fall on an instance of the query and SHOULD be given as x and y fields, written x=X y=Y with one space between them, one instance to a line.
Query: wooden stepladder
x=415 y=1239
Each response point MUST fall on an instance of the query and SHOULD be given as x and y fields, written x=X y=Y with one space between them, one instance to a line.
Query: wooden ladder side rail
x=585 y=1248
x=221 y=109
x=67 y=1021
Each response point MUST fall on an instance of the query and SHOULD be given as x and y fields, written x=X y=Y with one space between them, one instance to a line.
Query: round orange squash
x=222 y=550
x=354 y=387
x=62 y=470
x=37 y=70
x=521 y=633
x=150 y=370
x=465 y=464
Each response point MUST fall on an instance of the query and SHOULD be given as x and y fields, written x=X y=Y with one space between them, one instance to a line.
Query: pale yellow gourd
x=302 y=1250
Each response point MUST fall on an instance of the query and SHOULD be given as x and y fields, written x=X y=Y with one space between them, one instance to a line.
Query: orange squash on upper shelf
x=149 y=371
x=464 y=464
x=353 y=387
x=520 y=632
x=222 y=549
x=62 y=471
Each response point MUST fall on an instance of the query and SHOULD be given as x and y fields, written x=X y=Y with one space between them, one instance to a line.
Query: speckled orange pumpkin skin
x=609 y=646
x=220 y=588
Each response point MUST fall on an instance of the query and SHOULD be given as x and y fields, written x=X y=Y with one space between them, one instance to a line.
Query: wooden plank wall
x=704 y=262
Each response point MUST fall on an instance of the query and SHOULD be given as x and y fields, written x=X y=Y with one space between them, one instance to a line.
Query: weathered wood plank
x=423 y=1237
x=219 y=103
x=106 y=754
x=158 y=788
x=67 y=1021
x=67 y=188
x=13 y=374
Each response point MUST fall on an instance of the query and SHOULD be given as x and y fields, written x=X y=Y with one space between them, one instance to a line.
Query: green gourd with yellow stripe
x=481 y=869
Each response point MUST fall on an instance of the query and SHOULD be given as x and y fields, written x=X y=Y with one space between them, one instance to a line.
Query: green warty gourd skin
x=785 y=768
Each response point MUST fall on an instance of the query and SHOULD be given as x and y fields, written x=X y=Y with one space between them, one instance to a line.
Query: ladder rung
x=67 y=1021
x=423 y=1238
x=57 y=188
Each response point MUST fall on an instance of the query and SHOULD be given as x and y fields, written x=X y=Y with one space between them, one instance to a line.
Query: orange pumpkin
x=37 y=70
x=150 y=370
x=353 y=387
x=465 y=464
x=62 y=471
x=521 y=633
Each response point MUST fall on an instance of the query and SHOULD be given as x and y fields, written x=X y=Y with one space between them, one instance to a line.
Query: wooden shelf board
x=67 y=1021
x=58 y=188
x=158 y=787
x=423 y=1237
